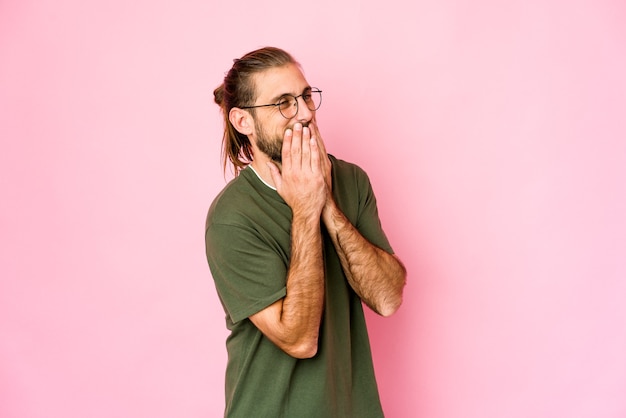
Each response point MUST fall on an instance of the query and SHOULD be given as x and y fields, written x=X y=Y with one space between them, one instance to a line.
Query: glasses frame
x=313 y=90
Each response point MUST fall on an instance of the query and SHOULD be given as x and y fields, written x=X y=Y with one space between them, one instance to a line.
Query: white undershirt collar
x=260 y=178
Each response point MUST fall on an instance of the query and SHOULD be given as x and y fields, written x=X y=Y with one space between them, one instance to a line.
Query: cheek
x=281 y=131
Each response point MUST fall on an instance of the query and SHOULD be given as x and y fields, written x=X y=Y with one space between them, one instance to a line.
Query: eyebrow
x=276 y=98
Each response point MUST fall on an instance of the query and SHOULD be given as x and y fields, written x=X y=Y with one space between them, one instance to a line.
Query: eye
x=285 y=102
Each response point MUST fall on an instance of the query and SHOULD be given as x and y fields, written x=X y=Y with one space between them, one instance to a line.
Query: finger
x=286 y=151
x=296 y=145
x=318 y=137
x=324 y=160
x=315 y=155
x=319 y=143
x=306 y=147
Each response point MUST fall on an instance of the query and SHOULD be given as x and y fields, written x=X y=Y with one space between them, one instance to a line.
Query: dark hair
x=238 y=90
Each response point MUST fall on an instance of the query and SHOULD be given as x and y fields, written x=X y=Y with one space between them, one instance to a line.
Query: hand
x=302 y=182
x=324 y=160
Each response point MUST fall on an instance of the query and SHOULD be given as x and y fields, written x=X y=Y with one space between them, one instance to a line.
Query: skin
x=304 y=181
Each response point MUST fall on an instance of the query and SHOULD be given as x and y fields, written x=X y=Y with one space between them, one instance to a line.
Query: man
x=295 y=245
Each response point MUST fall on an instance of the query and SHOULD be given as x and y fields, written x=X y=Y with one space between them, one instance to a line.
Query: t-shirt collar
x=260 y=178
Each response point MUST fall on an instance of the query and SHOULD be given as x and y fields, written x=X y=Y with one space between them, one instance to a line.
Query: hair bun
x=218 y=94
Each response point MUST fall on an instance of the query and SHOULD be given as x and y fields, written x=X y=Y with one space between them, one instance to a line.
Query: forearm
x=292 y=323
x=302 y=306
x=375 y=275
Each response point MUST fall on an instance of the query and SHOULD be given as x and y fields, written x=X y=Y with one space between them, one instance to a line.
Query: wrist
x=306 y=216
x=330 y=213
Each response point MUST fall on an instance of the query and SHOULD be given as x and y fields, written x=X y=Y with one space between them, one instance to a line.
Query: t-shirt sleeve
x=368 y=222
x=249 y=275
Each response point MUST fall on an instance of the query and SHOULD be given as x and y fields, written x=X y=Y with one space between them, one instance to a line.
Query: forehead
x=274 y=82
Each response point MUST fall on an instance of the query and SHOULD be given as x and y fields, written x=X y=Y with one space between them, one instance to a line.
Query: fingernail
x=297 y=126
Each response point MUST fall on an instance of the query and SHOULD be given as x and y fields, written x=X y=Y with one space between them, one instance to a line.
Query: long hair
x=238 y=90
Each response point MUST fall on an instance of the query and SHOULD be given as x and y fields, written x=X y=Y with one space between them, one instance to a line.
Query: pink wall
x=495 y=137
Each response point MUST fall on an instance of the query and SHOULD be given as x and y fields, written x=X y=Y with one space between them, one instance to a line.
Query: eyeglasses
x=288 y=104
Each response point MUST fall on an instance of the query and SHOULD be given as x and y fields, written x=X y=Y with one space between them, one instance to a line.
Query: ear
x=241 y=120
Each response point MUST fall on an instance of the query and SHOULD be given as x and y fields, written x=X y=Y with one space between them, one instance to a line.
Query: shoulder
x=344 y=168
x=348 y=173
x=226 y=206
x=246 y=202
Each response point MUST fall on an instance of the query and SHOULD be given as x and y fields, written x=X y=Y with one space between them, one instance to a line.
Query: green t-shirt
x=248 y=245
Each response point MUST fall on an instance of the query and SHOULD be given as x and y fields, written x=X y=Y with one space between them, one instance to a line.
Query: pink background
x=494 y=134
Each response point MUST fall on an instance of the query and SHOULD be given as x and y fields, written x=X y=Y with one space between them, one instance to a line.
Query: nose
x=304 y=113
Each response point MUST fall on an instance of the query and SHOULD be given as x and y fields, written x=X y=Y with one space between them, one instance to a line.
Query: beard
x=271 y=144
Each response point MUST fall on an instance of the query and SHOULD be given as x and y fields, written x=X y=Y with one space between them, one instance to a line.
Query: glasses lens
x=288 y=106
x=313 y=99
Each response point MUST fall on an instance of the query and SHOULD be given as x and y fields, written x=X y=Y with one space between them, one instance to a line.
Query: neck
x=263 y=171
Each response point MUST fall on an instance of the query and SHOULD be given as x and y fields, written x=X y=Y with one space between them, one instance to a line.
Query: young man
x=295 y=245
